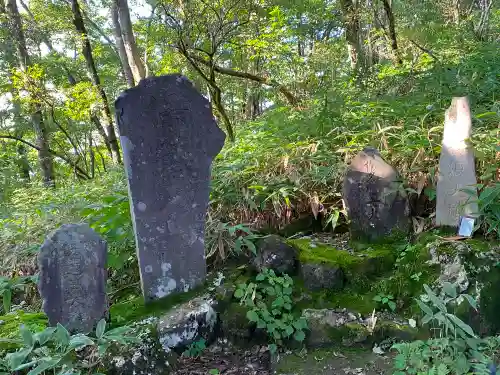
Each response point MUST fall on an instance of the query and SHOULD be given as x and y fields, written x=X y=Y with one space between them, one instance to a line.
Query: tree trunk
x=352 y=26
x=392 y=31
x=42 y=142
x=87 y=53
x=121 y=46
x=133 y=55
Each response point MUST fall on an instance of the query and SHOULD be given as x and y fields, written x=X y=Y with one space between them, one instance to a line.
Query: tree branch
x=428 y=51
x=67 y=160
x=252 y=77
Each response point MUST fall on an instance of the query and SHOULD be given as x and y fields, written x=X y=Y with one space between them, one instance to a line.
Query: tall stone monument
x=169 y=138
x=72 y=282
x=456 y=167
x=376 y=202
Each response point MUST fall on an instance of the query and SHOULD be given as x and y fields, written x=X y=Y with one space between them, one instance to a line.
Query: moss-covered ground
x=334 y=362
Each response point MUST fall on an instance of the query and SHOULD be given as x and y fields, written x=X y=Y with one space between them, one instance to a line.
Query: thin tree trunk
x=92 y=156
x=71 y=79
x=44 y=156
x=133 y=55
x=94 y=76
x=10 y=60
x=52 y=152
x=352 y=26
x=121 y=46
x=392 y=31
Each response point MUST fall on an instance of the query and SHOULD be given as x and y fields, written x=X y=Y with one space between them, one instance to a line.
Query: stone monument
x=456 y=167
x=376 y=202
x=72 y=281
x=169 y=138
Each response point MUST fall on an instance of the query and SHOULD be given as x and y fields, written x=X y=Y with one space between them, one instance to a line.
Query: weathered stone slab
x=456 y=167
x=169 y=139
x=375 y=199
x=273 y=253
x=187 y=323
x=72 y=281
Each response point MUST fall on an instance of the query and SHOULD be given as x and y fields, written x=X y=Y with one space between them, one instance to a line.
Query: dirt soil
x=223 y=358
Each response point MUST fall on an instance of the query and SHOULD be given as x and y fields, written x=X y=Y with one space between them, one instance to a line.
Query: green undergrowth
x=10 y=336
x=397 y=269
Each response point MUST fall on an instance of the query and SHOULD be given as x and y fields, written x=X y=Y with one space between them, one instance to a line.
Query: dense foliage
x=299 y=87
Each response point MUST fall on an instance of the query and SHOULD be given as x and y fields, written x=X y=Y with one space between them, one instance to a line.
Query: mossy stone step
x=357 y=266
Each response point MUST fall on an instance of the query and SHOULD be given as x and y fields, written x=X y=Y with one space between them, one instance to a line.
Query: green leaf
x=434 y=299
x=426 y=309
x=472 y=301
x=287 y=291
x=273 y=348
x=102 y=348
x=261 y=324
x=426 y=319
x=270 y=291
x=289 y=331
x=27 y=336
x=299 y=335
x=237 y=245
x=7 y=300
x=17 y=358
x=449 y=289
x=392 y=305
x=46 y=364
x=44 y=336
x=466 y=328
x=442 y=369
x=101 y=327
x=271 y=327
x=62 y=335
x=260 y=277
x=278 y=302
x=253 y=316
x=400 y=362
x=79 y=341
x=251 y=246
x=239 y=293
x=300 y=324
x=276 y=335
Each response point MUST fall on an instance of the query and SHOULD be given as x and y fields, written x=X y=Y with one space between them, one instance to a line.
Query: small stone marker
x=169 y=139
x=72 y=282
x=456 y=167
x=376 y=202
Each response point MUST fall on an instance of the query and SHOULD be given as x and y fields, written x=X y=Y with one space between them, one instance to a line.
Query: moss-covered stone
x=135 y=308
x=236 y=327
x=344 y=328
x=359 y=301
x=358 y=267
x=333 y=361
